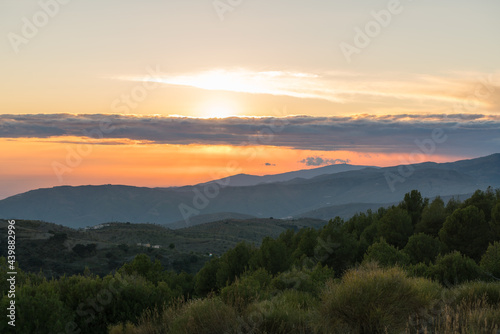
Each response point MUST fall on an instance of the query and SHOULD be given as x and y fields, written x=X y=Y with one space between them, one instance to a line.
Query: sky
x=175 y=92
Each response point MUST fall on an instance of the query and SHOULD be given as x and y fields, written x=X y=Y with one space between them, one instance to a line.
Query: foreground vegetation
x=419 y=267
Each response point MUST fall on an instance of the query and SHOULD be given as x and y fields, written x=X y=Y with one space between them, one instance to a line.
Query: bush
x=294 y=279
x=205 y=316
x=374 y=300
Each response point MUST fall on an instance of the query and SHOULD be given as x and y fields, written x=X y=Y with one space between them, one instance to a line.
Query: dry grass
x=467 y=317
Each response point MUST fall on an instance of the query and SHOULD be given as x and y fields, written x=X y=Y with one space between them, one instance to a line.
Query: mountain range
x=343 y=191
x=252 y=180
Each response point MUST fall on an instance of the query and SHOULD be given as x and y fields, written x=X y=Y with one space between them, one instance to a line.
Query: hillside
x=207 y=218
x=59 y=250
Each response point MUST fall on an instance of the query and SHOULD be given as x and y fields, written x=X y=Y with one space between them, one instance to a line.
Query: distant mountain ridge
x=242 y=180
x=90 y=205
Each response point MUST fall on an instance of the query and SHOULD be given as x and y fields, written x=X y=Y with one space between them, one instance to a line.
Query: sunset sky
x=175 y=92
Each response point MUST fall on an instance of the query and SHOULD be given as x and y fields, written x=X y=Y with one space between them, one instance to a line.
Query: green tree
x=386 y=255
x=452 y=205
x=490 y=261
x=369 y=234
x=395 y=227
x=142 y=265
x=433 y=218
x=39 y=309
x=422 y=248
x=273 y=256
x=206 y=278
x=495 y=220
x=483 y=200
x=358 y=223
x=336 y=248
x=414 y=204
x=306 y=240
x=467 y=231
x=454 y=268
x=233 y=263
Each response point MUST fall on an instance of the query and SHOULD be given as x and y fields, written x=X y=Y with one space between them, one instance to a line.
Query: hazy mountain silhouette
x=90 y=205
x=252 y=180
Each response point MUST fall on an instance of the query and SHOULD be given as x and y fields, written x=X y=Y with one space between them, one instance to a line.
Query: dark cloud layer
x=465 y=134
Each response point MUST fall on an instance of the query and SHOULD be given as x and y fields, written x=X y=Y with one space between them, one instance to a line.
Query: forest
x=420 y=266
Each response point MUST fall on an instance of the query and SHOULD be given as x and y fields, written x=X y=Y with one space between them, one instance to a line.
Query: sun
x=219 y=112
x=218 y=109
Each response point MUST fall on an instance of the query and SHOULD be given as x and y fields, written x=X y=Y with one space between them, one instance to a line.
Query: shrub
x=205 y=316
x=374 y=300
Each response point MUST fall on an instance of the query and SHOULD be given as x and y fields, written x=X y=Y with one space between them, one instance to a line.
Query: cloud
x=375 y=93
x=475 y=134
x=319 y=161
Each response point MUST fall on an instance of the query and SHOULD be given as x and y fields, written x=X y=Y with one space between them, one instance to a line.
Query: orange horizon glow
x=30 y=164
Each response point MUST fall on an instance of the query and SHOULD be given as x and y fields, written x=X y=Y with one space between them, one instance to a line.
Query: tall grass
x=473 y=316
x=287 y=313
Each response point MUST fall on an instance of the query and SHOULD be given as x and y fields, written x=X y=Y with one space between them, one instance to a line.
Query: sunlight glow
x=218 y=108
x=219 y=112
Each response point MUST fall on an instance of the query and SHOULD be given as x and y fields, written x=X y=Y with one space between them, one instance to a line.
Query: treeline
x=417 y=266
